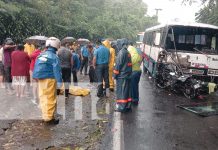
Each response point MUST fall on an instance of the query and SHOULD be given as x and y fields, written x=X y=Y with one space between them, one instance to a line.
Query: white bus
x=191 y=47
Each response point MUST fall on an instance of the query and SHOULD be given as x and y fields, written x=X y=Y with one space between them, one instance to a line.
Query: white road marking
x=118 y=140
x=107 y=108
x=78 y=108
x=94 y=107
x=61 y=106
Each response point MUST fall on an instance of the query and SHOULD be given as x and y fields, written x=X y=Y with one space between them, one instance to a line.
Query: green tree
x=20 y=19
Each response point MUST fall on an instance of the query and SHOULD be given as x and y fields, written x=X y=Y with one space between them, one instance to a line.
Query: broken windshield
x=191 y=38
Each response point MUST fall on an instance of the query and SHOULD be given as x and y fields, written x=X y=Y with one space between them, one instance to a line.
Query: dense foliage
x=20 y=19
x=208 y=13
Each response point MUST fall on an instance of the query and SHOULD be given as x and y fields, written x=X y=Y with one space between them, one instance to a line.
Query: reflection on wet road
x=157 y=124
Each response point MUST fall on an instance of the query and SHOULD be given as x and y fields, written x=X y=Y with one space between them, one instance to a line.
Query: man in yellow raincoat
x=136 y=58
x=29 y=48
x=47 y=71
x=111 y=63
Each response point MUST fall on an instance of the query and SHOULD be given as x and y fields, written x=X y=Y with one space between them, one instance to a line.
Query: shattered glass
x=202 y=109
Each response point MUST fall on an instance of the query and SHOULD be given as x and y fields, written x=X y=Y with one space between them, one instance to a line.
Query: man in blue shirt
x=100 y=62
x=84 y=59
x=75 y=66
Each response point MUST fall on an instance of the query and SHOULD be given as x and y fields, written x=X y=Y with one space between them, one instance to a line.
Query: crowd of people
x=48 y=66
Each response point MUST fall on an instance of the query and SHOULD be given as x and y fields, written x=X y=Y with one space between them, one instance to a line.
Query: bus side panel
x=150 y=61
x=154 y=57
x=146 y=51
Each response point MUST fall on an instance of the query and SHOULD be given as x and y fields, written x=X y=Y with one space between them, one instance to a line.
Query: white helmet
x=53 y=42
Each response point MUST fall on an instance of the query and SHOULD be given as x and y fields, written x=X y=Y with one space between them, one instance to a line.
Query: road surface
x=157 y=124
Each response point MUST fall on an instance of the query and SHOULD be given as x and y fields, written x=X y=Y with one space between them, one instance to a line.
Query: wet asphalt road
x=157 y=124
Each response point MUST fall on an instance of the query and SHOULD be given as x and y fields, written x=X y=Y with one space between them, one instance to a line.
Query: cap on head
x=9 y=41
x=53 y=42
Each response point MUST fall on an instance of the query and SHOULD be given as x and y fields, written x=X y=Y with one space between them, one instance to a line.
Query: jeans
x=102 y=75
x=92 y=75
x=84 y=64
x=135 y=78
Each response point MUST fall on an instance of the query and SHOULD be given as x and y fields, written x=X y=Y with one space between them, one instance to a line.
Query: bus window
x=213 y=43
x=181 y=39
x=197 y=39
x=157 y=39
x=203 y=39
x=149 y=40
x=189 y=39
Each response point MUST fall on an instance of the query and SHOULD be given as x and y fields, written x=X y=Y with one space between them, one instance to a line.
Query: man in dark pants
x=92 y=75
x=84 y=59
x=65 y=56
x=100 y=62
x=75 y=66
x=8 y=48
x=136 y=57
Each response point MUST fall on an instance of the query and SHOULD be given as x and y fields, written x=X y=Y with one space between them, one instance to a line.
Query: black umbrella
x=69 y=40
x=37 y=38
x=82 y=41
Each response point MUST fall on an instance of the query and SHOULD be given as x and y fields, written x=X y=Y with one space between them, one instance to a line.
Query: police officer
x=48 y=72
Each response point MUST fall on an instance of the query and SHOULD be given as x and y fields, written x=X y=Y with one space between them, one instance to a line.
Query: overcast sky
x=172 y=9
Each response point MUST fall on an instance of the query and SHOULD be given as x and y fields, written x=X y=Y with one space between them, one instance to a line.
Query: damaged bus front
x=183 y=56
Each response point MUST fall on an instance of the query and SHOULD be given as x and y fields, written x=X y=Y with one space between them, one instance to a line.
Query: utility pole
x=157 y=11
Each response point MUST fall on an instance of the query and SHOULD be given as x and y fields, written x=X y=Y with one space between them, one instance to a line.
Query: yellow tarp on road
x=77 y=91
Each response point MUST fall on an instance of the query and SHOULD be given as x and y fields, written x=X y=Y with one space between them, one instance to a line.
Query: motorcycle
x=168 y=76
